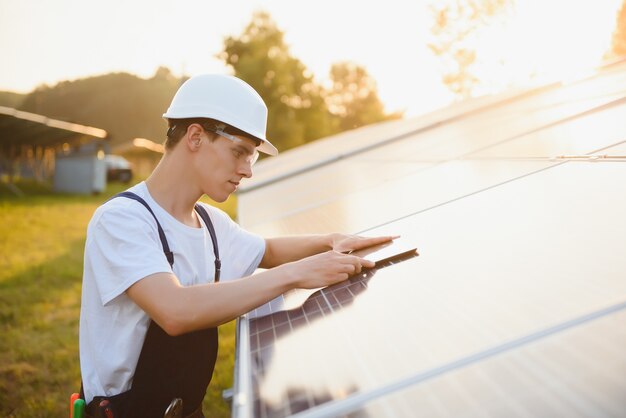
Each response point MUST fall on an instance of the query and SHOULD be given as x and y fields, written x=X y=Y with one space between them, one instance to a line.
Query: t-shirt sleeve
x=243 y=250
x=122 y=248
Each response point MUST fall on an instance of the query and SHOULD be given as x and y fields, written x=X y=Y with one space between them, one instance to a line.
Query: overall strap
x=207 y=221
x=166 y=248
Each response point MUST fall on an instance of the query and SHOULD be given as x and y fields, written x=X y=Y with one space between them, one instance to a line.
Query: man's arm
x=179 y=309
x=287 y=249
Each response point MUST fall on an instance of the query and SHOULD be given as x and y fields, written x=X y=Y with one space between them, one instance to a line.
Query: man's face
x=225 y=161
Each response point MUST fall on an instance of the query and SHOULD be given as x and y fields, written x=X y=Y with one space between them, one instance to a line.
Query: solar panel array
x=516 y=304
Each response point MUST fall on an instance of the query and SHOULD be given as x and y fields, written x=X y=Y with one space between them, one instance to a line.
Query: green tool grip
x=79 y=408
x=72 y=399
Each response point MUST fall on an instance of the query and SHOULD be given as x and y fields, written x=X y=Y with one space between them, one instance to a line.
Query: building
x=38 y=147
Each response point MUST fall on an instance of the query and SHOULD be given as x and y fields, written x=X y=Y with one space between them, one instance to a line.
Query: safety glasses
x=242 y=152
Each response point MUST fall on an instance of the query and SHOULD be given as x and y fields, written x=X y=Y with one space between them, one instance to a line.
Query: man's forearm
x=179 y=309
x=287 y=249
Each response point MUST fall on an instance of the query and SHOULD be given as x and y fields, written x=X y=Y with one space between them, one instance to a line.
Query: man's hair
x=178 y=128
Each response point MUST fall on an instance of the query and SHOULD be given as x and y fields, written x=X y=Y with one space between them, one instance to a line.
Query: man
x=151 y=298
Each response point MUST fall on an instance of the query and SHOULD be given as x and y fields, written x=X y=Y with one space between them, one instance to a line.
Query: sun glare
x=534 y=43
x=545 y=41
x=539 y=41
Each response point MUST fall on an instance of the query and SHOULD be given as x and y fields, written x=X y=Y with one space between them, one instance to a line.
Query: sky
x=47 y=41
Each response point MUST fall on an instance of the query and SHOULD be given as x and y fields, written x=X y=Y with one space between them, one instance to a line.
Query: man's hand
x=288 y=249
x=348 y=243
x=323 y=269
x=181 y=309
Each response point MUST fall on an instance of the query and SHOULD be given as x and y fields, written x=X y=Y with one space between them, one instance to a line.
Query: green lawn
x=41 y=255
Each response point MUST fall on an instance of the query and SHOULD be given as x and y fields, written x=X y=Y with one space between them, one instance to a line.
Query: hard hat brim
x=267 y=148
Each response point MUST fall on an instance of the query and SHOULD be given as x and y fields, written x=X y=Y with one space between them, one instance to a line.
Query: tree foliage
x=124 y=105
x=353 y=97
x=618 y=45
x=260 y=56
x=456 y=24
x=11 y=99
x=300 y=110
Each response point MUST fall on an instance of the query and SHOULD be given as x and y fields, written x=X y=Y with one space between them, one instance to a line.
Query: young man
x=153 y=287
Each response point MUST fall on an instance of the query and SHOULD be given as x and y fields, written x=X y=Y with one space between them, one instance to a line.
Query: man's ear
x=193 y=136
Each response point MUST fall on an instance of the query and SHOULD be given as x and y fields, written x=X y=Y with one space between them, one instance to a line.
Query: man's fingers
x=369 y=242
x=349 y=268
x=357 y=264
x=358 y=261
x=366 y=263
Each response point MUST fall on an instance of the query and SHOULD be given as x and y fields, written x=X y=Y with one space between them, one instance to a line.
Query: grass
x=42 y=236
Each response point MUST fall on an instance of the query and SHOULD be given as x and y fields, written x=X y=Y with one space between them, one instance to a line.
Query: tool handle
x=73 y=397
x=106 y=409
x=79 y=408
x=175 y=409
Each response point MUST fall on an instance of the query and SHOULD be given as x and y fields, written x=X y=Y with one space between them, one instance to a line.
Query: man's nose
x=245 y=169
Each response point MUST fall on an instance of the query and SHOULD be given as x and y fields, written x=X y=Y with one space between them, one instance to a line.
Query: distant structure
x=36 y=146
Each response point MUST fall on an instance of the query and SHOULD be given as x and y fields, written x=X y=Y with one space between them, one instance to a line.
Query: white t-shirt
x=122 y=248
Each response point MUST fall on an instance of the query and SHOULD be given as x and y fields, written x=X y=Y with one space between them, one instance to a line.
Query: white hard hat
x=226 y=99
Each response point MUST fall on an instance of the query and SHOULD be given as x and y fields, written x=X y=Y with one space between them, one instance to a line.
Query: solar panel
x=477 y=137
x=419 y=191
x=286 y=315
x=494 y=293
x=516 y=304
x=559 y=375
x=337 y=178
x=327 y=150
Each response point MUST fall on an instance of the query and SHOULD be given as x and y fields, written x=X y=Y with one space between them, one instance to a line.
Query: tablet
x=389 y=251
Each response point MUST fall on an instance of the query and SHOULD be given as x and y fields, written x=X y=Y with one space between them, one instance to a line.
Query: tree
x=353 y=97
x=297 y=110
x=456 y=24
x=618 y=45
x=124 y=105
x=11 y=99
